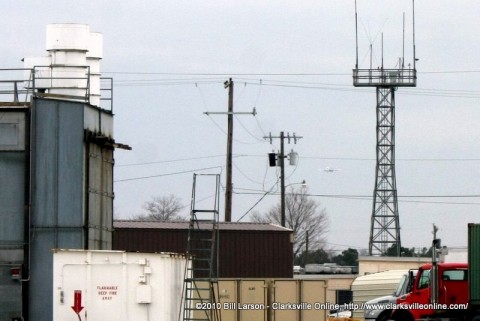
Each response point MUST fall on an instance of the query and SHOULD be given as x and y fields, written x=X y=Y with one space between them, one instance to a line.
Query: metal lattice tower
x=385 y=224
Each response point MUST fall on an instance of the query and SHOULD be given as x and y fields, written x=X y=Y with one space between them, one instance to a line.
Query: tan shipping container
x=285 y=292
x=315 y=292
x=252 y=303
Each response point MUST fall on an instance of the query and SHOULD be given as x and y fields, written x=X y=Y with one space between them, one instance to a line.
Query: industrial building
x=246 y=250
x=56 y=166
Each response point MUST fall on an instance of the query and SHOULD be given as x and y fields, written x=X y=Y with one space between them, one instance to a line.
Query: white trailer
x=375 y=285
x=116 y=285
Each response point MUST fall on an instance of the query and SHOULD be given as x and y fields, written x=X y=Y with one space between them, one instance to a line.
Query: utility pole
x=281 y=159
x=282 y=175
x=306 y=248
x=436 y=245
x=228 y=188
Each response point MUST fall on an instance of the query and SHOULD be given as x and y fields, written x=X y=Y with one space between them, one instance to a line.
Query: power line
x=373 y=159
x=167 y=174
x=223 y=74
x=169 y=161
x=450 y=93
x=320 y=86
x=304 y=157
x=248 y=132
x=255 y=191
x=402 y=199
x=261 y=198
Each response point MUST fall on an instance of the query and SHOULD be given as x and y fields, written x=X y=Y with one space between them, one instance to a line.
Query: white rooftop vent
x=67 y=36
x=94 y=55
x=73 y=64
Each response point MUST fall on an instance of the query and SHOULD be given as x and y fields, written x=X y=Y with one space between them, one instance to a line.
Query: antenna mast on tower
x=385 y=226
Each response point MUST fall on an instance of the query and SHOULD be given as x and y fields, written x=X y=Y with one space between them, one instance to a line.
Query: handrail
x=18 y=85
x=384 y=77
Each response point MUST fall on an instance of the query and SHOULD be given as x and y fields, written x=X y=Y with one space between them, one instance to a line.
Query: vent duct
x=72 y=68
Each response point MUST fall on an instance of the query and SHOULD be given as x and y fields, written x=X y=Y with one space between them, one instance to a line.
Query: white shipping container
x=116 y=285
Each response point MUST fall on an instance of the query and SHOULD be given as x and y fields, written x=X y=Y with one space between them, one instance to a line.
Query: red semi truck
x=445 y=291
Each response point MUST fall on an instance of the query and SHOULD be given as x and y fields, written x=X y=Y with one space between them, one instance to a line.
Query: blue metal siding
x=12 y=201
x=72 y=191
x=58 y=164
x=57 y=193
x=12 y=182
x=10 y=295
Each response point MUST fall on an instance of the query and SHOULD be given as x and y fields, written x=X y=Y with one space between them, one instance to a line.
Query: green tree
x=405 y=252
x=425 y=252
x=348 y=257
x=317 y=256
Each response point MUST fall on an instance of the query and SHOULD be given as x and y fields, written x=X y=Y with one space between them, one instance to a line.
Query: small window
x=454 y=275
x=424 y=281
x=12 y=131
x=9 y=134
x=344 y=297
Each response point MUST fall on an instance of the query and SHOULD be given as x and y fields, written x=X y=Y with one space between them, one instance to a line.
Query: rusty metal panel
x=99 y=120
x=99 y=166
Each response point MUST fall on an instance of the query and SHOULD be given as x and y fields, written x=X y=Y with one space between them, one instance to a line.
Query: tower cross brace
x=385 y=225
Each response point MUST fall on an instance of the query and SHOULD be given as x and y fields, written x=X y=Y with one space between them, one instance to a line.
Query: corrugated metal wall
x=256 y=254
x=57 y=193
x=12 y=201
x=71 y=192
x=242 y=253
x=99 y=166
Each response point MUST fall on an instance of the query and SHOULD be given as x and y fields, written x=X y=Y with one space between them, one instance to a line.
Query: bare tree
x=303 y=215
x=162 y=208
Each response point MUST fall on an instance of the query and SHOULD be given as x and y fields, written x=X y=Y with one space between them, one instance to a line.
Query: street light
x=282 y=201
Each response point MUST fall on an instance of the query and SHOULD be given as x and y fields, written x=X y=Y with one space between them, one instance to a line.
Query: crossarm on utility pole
x=230 y=113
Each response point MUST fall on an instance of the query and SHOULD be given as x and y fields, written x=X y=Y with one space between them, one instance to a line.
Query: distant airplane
x=330 y=170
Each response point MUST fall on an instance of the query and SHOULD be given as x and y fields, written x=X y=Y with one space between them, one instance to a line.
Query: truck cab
x=430 y=296
x=379 y=309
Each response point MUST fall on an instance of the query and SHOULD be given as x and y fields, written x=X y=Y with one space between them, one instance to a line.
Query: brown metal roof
x=183 y=225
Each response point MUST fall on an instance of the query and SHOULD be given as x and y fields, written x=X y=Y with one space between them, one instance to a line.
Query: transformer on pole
x=385 y=225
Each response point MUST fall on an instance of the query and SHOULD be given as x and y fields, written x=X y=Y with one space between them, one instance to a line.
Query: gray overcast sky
x=292 y=60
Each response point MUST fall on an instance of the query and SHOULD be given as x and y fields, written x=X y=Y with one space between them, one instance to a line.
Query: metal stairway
x=201 y=277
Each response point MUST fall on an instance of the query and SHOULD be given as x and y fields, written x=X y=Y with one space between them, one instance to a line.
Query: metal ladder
x=202 y=245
